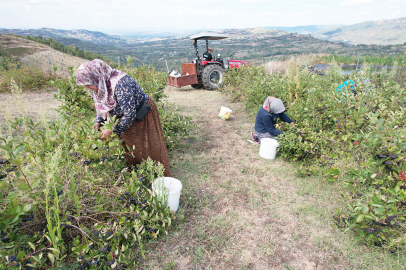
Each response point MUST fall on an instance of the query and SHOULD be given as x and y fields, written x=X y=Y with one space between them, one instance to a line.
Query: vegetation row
x=355 y=135
x=68 y=201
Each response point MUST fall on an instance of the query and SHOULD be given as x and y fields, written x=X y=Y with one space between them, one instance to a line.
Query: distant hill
x=305 y=29
x=31 y=53
x=383 y=32
x=82 y=35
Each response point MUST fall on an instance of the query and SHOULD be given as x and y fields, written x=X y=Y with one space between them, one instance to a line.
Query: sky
x=115 y=16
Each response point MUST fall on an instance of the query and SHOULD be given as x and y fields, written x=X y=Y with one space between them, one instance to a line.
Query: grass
x=19 y=51
x=241 y=212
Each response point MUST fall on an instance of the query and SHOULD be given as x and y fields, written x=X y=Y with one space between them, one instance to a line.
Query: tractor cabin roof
x=208 y=35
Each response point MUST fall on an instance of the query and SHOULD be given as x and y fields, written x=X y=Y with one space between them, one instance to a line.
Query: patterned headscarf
x=101 y=75
x=274 y=105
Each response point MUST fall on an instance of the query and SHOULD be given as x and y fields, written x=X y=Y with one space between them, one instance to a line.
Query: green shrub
x=28 y=78
x=68 y=200
x=357 y=139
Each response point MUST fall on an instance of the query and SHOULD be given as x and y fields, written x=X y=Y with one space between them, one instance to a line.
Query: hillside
x=303 y=29
x=383 y=32
x=30 y=53
x=81 y=34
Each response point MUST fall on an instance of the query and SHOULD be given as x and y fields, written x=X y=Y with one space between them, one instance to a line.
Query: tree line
x=72 y=50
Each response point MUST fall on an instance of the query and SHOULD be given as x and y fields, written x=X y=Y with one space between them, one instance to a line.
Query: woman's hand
x=96 y=126
x=106 y=133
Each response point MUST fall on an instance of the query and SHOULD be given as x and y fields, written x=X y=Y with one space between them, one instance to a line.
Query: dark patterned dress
x=146 y=135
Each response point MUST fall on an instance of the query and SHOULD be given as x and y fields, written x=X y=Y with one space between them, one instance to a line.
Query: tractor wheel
x=197 y=85
x=213 y=77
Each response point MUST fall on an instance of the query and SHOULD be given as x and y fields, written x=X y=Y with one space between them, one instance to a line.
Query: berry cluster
x=87 y=162
x=340 y=220
x=386 y=222
x=132 y=200
x=28 y=218
x=4 y=162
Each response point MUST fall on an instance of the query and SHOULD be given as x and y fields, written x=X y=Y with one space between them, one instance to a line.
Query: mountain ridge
x=381 y=32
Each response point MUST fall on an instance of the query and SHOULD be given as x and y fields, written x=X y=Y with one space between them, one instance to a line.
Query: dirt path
x=239 y=211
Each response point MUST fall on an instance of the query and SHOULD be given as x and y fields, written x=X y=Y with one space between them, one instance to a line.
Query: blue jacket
x=265 y=122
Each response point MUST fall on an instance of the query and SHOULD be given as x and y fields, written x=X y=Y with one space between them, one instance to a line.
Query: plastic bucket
x=267 y=149
x=225 y=113
x=168 y=189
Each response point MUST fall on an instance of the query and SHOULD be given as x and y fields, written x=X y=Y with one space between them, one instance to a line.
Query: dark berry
x=3 y=161
x=3 y=176
x=110 y=263
x=59 y=193
x=136 y=215
x=368 y=230
x=94 y=262
x=5 y=239
x=28 y=218
x=12 y=258
x=377 y=243
x=393 y=156
x=87 y=162
x=387 y=162
x=103 y=249
x=118 y=267
x=382 y=156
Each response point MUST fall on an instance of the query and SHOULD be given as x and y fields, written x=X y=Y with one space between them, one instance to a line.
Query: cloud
x=362 y=13
x=355 y=2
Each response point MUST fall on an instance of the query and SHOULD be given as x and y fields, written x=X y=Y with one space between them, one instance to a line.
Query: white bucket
x=225 y=113
x=267 y=149
x=169 y=188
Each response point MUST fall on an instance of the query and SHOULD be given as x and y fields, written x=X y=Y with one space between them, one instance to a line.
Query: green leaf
x=21 y=185
x=6 y=148
x=20 y=255
x=16 y=162
x=51 y=258
x=26 y=207
x=31 y=245
x=359 y=218
x=19 y=149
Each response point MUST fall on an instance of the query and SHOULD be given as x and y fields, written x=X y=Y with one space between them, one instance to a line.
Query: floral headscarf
x=274 y=105
x=101 y=75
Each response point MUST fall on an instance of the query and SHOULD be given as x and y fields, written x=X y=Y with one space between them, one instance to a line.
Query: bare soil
x=32 y=103
x=36 y=54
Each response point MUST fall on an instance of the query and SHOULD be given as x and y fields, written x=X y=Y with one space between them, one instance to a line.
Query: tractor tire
x=213 y=77
x=197 y=85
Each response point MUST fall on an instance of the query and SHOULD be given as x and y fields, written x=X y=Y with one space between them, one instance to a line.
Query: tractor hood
x=208 y=35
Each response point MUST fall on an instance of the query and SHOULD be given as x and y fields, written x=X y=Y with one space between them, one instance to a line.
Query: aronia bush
x=68 y=200
x=356 y=136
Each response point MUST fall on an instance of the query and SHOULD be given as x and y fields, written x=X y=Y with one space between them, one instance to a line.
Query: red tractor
x=201 y=73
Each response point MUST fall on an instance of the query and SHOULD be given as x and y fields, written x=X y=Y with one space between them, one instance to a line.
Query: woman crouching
x=116 y=93
x=267 y=116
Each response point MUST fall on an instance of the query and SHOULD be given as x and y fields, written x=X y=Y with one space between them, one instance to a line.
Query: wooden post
x=167 y=68
x=357 y=63
x=49 y=65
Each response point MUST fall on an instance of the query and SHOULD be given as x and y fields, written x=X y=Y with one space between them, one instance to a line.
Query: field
x=333 y=198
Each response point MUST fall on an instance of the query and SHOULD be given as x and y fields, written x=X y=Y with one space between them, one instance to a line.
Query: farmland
x=333 y=198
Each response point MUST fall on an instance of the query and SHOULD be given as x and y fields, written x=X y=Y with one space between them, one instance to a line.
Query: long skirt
x=148 y=139
x=264 y=135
